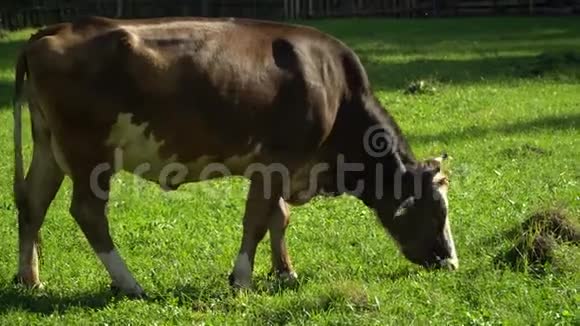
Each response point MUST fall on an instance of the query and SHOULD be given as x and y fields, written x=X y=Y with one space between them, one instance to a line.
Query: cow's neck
x=352 y=147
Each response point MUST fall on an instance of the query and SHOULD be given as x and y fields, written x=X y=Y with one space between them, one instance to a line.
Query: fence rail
x=21 y=13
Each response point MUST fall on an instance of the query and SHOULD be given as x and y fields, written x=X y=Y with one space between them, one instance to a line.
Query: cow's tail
x=20 y=193
x=19 y=183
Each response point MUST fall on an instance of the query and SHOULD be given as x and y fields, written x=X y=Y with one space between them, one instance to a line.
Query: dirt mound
x=554 y=223
x=538 y=237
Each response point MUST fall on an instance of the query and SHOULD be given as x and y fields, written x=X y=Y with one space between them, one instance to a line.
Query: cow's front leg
x=88 y=209
x=256 y=220
x=279 y=220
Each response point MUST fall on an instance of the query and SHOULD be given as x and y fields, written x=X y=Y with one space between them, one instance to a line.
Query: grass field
x=503 y=99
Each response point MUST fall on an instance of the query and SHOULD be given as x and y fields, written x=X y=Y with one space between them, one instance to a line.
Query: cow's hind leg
x=41 y=185
x=88 y=208
x=279 y=220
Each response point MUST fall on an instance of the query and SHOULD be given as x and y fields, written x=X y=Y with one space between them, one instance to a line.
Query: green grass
x=508 y=118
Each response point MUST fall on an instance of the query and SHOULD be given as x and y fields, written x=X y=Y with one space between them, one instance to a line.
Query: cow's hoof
x=239 y=284
x=289 y=275
x=27 y=282
x=285 y=278
x=135 y=294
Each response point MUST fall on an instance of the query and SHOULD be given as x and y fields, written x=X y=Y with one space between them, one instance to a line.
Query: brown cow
x=179 y=100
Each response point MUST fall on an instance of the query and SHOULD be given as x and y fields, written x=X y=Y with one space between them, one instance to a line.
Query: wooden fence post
x=204 y=8
x=298 y=9
x=119 y=9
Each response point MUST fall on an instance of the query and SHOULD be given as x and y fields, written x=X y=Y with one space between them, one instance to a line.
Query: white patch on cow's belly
x=138 y=153
x=134 y=151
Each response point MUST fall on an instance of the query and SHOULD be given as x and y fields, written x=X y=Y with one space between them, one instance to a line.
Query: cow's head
x=417 y=219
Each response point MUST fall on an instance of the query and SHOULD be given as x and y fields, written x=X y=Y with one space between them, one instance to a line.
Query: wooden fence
x=21 y=13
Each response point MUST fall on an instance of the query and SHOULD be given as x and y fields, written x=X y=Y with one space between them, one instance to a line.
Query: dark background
x=22 y=13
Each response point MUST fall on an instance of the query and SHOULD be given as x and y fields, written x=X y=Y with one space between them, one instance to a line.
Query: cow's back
x=193 y=91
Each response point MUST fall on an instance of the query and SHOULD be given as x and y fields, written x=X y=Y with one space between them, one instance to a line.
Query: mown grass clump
x=539 y=237
x=421 y=87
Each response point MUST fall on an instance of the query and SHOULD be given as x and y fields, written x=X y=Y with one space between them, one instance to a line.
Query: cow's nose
x=449 y=263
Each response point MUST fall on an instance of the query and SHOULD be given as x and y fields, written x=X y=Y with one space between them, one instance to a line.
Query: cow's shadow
x=200 y=297
x=197 y=296
x=46 y=302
